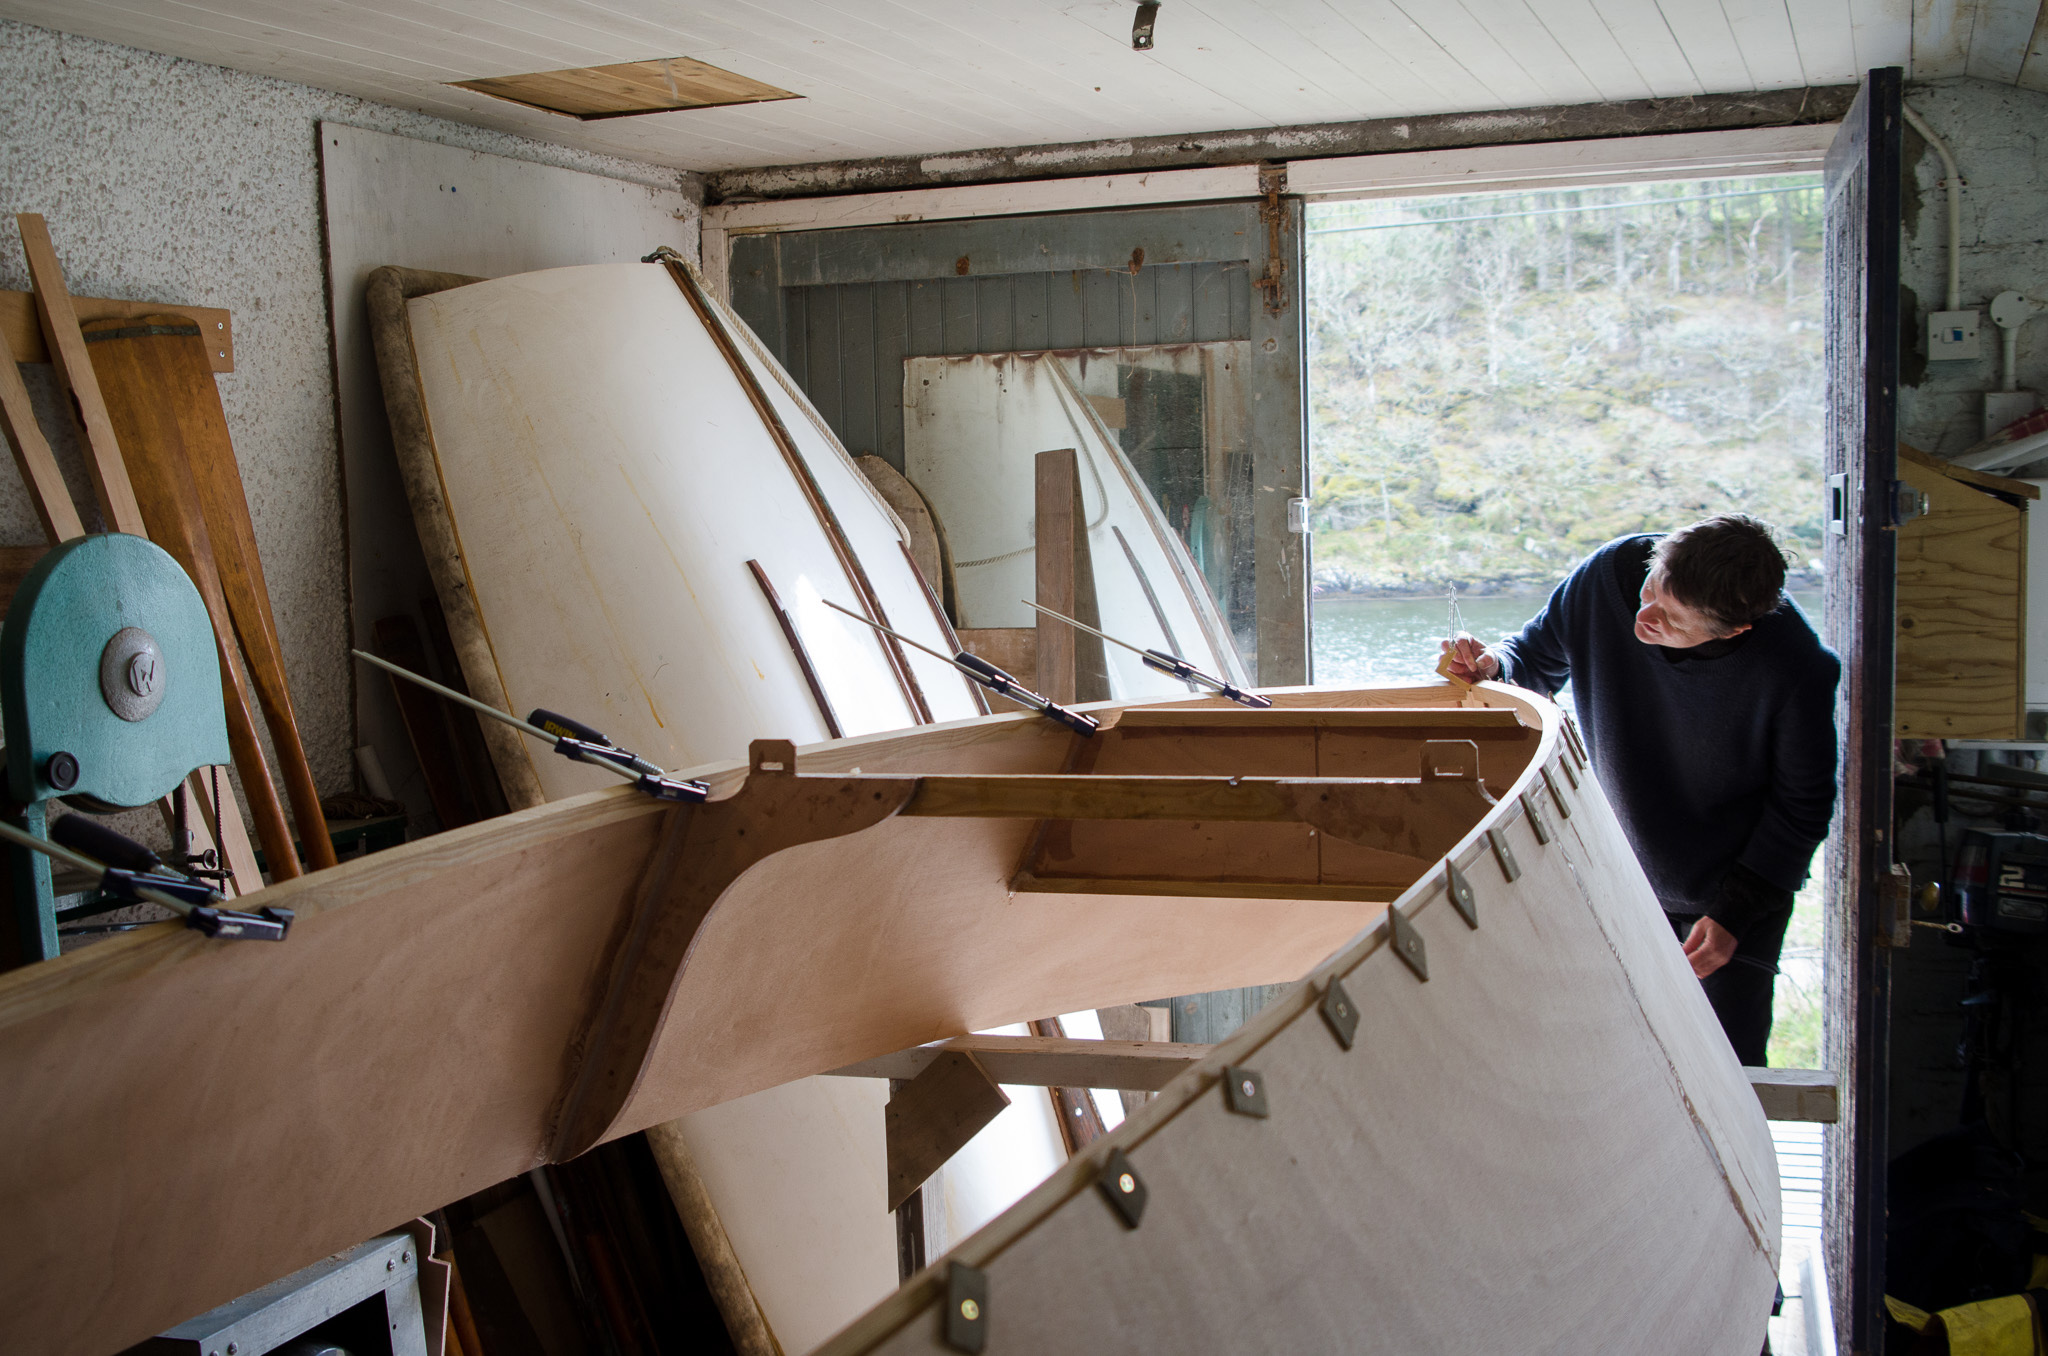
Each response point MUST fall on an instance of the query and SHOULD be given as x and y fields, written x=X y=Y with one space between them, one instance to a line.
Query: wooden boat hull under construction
x=1546 y=1145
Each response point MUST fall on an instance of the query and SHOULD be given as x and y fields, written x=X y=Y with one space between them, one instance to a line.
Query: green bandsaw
x=110 y=690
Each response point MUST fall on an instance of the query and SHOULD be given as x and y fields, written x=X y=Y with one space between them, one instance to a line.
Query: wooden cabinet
x=1962 y=604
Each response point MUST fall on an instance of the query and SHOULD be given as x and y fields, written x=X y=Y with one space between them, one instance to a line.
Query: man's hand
x=1709 y=946
x=1469 y=659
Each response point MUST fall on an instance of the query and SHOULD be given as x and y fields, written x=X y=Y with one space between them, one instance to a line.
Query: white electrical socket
x=1951 y=336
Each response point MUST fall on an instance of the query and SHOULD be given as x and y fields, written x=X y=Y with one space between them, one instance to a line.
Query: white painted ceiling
x=920 y=77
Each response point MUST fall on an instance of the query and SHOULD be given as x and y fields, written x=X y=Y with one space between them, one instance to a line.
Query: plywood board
x=1961 y=613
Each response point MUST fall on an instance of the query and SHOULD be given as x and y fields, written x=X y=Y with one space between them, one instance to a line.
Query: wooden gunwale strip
x=797 y=648
x=386 y=296
x=916 y=1296
x=945 y=623
x=1334 y=717
x=821 y=509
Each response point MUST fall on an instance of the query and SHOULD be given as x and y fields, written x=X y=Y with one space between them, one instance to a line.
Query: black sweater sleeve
x=1535 y=657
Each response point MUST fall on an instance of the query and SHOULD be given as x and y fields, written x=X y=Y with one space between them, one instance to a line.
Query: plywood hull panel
x=1534 y=1141
x=1519 y=1154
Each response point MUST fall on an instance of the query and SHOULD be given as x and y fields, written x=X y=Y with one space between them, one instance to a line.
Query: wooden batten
x=25 y=337
x=1070 y=662
x=1962 y=605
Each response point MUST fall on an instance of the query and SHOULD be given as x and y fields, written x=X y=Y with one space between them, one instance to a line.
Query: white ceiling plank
x=1645 y=34
x=1458 y=29
x=1551 y=65
x=1407 y=72
x=1763 y=31
x=1023 y=75
x=1252 y=66
x=1941 y=38
x=2000 y=38
x=1579 y=29
x=1883 y=30
x=1709 y=43
x=1313 y=48
x=1826 y=39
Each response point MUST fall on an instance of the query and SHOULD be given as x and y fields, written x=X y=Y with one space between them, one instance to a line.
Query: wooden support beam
x=24 y=336
x=1071 y=667
x=1047 y=1062
x=934 y=1115
x=1073 y=1107
x=1812 y=1095
x=1424 y=817
x=1798 y=1094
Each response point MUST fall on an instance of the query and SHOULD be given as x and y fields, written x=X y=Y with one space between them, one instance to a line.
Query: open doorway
x=1500 y=383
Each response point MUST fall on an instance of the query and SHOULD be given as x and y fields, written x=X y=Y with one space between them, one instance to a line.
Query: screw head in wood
x=966 y=1311
x=1122 y=1188
x=1244 y=1091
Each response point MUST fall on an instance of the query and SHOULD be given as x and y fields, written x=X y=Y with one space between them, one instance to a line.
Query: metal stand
x=365 y=1301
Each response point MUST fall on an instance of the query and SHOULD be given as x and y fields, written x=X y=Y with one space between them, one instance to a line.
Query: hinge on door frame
x=1273 y=183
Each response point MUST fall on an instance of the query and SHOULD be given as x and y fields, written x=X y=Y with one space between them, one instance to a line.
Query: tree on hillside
x=1501 y=383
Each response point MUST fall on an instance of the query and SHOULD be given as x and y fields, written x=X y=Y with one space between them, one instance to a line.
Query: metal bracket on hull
x=1564 y=807
x=1459 y=891
x=1408 y=944
x=1341 y=1013
x=1508 y=866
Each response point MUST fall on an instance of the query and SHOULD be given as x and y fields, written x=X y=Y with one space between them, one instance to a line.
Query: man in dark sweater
x=1707 y=703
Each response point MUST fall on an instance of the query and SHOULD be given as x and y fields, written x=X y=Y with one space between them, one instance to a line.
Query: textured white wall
x=171 y=180
x=1999 y=137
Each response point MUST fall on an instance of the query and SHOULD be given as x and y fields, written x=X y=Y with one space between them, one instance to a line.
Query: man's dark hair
x=1728 y=568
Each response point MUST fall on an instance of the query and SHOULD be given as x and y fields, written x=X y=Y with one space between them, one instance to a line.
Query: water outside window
x=1500 y=383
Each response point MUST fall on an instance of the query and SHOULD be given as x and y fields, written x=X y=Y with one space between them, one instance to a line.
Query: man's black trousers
x=1741 y=990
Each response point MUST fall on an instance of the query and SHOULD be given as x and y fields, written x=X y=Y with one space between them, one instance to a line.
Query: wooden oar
x=65 y=345
x=159 y=362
